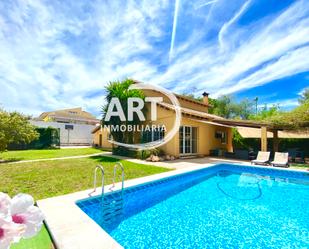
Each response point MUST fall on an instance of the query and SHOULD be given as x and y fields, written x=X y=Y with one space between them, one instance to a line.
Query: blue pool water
x=225 y=206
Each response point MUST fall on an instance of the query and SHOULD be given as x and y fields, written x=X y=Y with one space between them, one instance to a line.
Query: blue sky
x=60 y=54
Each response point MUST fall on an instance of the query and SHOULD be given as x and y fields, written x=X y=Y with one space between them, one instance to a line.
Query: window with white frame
x=188 y=140
x=222 y=135
x=152 y=135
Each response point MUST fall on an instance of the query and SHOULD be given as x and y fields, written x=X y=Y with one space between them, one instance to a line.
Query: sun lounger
x=281 y=159
x=262 y=158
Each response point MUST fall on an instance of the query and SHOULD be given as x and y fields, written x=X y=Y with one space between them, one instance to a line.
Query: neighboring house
x=72 y=115
x=75 y=125
x=197 y=135
x=200 y=133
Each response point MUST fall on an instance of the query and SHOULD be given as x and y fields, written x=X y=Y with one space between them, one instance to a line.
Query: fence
x=49 y=138
x=70 y=134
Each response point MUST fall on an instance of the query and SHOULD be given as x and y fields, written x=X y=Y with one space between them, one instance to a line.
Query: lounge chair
x=262 y=158
x=281 y=159
x=292 y=154
x=300 y=157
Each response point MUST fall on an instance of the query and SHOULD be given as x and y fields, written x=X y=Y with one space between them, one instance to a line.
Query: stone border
x=71 y=228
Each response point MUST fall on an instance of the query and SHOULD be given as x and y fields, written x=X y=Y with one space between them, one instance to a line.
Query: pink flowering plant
x=19 y=218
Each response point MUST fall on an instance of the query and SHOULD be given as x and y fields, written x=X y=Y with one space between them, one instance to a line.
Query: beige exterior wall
x=104 y=142
x=206 y=139
x=206 y=136
x=167 y=118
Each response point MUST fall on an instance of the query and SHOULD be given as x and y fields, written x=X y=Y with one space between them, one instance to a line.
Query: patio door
x=100 y=140
x=187 y=140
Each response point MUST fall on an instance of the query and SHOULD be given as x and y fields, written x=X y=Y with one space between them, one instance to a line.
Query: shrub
x=123 y=151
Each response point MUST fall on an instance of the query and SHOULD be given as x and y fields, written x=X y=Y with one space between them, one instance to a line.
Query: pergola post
x=263 y=138
x=230 y=141
x=275 y=141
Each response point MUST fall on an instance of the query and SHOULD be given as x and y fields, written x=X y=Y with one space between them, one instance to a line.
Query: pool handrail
x=95 y=180
x=122 y=174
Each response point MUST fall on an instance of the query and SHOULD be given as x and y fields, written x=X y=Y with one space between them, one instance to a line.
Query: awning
x=247 y=132
x=212 y=123
x=256 y=133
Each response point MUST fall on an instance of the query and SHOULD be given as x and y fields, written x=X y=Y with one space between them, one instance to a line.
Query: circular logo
x=170 y=134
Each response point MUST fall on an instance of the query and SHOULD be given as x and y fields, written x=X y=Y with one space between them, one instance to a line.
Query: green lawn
x=40 y=241
x=51 y=178
x=302 y=166
x=18 y=155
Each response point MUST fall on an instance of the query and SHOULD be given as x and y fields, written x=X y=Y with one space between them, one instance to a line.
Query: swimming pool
x=223 y=206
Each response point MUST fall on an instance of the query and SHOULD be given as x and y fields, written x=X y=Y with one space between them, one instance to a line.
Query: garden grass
x=18 y=155
x=302 y=166
x=40 y=241
x=51 y=178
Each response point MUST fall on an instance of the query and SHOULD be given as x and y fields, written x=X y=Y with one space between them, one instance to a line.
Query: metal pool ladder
x=113 y=205
x=95 y=180
x=114 y=177
x=122 y=175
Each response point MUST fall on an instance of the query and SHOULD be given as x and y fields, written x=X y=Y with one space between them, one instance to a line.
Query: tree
x=191 y=96
x=15 y=128
x=221 y=106
x=298 y=118
x=266 y=113
x=242 y=110
x=304 y=96
x=119 y=89
x=226 y=107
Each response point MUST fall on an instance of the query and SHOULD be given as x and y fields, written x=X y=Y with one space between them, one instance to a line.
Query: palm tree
x=119 y=89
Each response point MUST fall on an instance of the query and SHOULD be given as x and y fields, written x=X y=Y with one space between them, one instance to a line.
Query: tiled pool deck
x=71 y=228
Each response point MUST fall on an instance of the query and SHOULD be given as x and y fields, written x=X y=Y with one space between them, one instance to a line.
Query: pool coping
x=71 y=228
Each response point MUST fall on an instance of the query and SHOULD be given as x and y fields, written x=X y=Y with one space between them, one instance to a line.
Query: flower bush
x=19 y=218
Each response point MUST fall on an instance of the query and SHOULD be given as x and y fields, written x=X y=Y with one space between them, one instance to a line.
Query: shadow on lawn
x=104 y=159
x=10 y=160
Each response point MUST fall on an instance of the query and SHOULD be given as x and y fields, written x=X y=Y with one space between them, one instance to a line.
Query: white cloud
x=228 y=24
x=39 y=70
x=261 y=48
x=200 y=5
x=283 y=104
x=174 y=29
x=289 y=64
x=301 y=92
x=53 y=54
